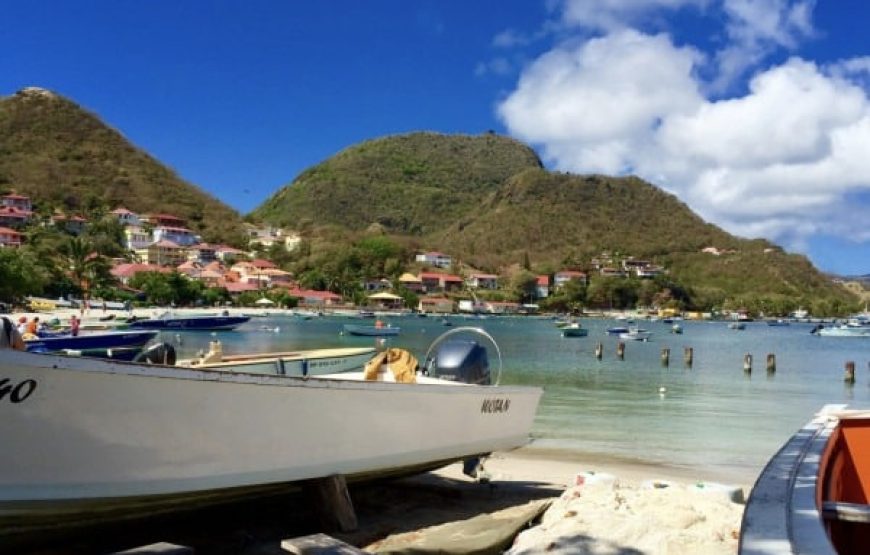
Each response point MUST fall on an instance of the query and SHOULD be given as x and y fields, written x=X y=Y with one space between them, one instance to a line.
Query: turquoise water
x=713 y=417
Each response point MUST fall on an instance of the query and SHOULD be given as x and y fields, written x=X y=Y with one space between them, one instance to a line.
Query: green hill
x=64 y=157
x=487 y=201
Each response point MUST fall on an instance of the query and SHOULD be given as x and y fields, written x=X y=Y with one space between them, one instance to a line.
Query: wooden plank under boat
x=814 y=494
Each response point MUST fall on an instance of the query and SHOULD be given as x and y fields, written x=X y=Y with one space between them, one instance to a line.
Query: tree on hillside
x=85 y=267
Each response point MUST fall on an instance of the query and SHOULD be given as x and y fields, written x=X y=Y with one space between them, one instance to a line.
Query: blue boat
x=376 y=331
x=189 y=323
x=120 y=345
x=617 y=330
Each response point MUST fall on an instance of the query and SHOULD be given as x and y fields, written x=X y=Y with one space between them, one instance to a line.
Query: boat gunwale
x=55 y=362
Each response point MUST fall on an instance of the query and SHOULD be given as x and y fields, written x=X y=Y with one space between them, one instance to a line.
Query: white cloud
x=784 y=160
x=610 y=15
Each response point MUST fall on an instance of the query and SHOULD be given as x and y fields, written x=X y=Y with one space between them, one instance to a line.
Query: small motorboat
x=812 y=497
x=616 y=330
x=373 y=331
x=205 y=322
x=118 y=345
x=636 y=334
x=574 y=330
x=736 y=326
x=676 y=328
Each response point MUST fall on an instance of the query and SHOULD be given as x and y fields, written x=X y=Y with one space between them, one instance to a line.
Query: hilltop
x=413 y=184
x=65 y=157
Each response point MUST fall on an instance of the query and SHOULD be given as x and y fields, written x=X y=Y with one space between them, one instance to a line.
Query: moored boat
x=121 y=345
x=375 y=331
x=574 y=330
x=812 y=497
x=311 y=362
x=206 y=322
x=97 y=440
x=636 y=334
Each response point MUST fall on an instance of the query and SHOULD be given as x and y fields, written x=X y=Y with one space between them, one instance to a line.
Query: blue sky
x=755 y=113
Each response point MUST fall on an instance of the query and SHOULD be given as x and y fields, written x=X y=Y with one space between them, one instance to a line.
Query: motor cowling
x=460 y=360
x=160 y=353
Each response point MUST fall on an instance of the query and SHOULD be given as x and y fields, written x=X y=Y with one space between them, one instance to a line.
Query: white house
x=433 y=258
x=482 y=281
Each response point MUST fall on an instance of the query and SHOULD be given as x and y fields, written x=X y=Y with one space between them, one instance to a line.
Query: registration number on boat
x=16 y=392
x=496 y=405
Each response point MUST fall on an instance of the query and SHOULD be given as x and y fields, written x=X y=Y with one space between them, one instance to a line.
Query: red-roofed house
x=228 y=254
x=12 y=200
x=202 y=252
x=163 y=253
x=123 y=272
x=309 y=297
x=234 y=288
x=440 y=282
x=14 y=217
x=179 y=235
x=542 y=288
x=126 y=217
x=438 y=259
x=9 y=237
x=563 y=277
x=260 y=263
x=72 y=224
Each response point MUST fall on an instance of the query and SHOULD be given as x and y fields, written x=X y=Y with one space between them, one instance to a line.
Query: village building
x=482 y=281
x=437 y=259
x=10 y=238
x=563 y=277
x=542 y=287
x=435 y=305
x=411 y=282
x=126 y=217
x=440 y=282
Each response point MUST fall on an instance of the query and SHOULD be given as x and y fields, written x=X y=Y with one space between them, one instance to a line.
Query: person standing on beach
x=10 y=338
x=74 y=323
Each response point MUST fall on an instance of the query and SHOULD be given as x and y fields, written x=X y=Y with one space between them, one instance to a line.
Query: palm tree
x=85 y=266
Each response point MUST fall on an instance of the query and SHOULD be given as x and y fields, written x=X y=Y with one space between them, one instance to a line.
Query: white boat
x=812 y=495
x=855 y=327
x=90 y=439
x=636 y=334
x=736 y=326
x=288 y=363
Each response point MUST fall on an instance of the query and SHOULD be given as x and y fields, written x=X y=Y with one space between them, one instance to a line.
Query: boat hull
x=845 y=331
x=300 y=363
x=94 y=343
x=87 y=432
x=372 y=331
x=198 y=323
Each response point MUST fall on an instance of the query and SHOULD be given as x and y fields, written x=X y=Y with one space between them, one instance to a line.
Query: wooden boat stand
x=331 y=501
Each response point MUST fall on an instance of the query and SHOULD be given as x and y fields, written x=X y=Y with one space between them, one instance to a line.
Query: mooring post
x=332 y=504
x=666 y=356
x=688 y=356
x=850 y=372
x=747 y=363
x=620 y=350
x=599 y=350
x=771 y=363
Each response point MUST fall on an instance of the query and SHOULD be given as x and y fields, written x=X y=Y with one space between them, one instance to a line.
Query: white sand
x=621 y=507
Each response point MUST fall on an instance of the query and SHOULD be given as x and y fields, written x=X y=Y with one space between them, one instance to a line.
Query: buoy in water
x=663 y=390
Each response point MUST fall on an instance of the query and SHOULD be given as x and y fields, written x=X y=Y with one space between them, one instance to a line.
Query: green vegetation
x=487 y=202
x=66 y=158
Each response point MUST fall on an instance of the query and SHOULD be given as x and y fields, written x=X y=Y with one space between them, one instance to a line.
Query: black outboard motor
x=460 y=360
x=160 y=353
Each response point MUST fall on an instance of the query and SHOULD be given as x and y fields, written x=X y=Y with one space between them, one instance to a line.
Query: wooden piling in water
x=850 y=372
x=666 y=356
x=771 y=363
x=747 y=363
x=599 y=350
x=620 y=350
x=688 y=356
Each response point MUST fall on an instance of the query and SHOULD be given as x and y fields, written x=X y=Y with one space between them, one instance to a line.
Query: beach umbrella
x=264 y=301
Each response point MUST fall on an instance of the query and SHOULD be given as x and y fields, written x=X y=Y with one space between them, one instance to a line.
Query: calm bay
x=712 y=417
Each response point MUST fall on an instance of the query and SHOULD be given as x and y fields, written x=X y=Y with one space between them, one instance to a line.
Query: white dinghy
x=89 y=439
